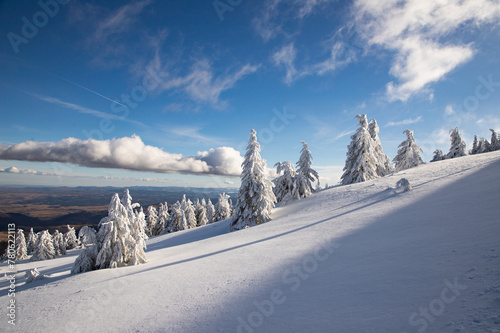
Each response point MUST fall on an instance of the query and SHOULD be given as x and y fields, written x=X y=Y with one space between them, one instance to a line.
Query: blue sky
x=165 y=92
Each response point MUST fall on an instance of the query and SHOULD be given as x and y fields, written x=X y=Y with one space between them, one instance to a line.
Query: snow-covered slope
x=359 y=258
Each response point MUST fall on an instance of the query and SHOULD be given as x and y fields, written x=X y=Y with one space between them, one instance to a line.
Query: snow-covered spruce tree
x=483 y=146
x=305 y=174
x=475 y=144
x=361 y=163
x=285 y=186
x=438 y=155
x=71 y=239
x=32 y=237
x=151 y=220
x=222 y=207
x=177 y=218
x=87 y=236
x=163 y=217
x=44 y=247
x=190 y=216
x=255 y=198
x=384 y=166
x=494 y=142
x=210 y=212
x=21 y=248
x=138 y=232
x=458 y=147
x=59 y=243
x=201 y=213
x=408 y=154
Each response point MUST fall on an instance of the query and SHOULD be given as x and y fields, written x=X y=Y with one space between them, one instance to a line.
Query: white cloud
x=414 y=29
x=408 y=121
x=286 y=58
x=128 y=153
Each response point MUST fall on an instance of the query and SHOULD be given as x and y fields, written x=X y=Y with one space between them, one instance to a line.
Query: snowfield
x=366 y=257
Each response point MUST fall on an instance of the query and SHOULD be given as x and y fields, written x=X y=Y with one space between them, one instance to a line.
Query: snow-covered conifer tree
x=178 y=218
x=21 y=248
x=201 y=213
x=163 y=217
x=32 y=237
x=458 y=147
x=285 y=186
x=483 y=146
x=255 y=198
x=438 y=155
x=222 y=208
x=70 y=238
x=59 y=243
x=44 y=247
x=151 y=220
x=190 y=215
x=361 y=163
x=210 y=212
x=87 y=236
x=384 y=166
x=408 y=154
x=138 y=233
x=495 y=142
x=85 y=262
x=305 y=174
x=475 y=146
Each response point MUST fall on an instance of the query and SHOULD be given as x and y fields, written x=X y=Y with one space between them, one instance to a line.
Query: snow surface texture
x=365 y=257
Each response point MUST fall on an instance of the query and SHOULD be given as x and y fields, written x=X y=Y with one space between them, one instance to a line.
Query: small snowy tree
x=306 y=175
x=85 y=262
x=70 y=238
x=255 y=198
x=21 y=249
x=32 y=237
x=361 y=163
x=495 y=142
x=34 y=275
x=87 y=236
x=44 y=247
x=384 y=166
x=483 y=146
x=59 y=243
x=438 y=155
x=190 y=216
x=458 y=147
x=177 y=218
x=405 y=184
x=151 y=221
x=408 y=154
x=285 y=186
x=222 y=208
x=210 y=212
x=475 y=146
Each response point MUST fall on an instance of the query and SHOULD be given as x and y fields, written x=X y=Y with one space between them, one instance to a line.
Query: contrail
x=92 y=91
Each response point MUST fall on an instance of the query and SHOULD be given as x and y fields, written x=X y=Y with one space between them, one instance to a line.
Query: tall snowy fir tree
x=361 y=163
x=475 y=145
x=44 y=247
x=222 y=208
x=201 y=213
x=306 y=176
x=177 y=218
x=210 y=212
x=30 y=244
x=384 y=166
x=458 y=147
x=59 y=243
x=21 y=248
x=163 y=217
x=408 y=154
x=495 y=142
x=71 y=239
x=255 y=199
x=152 y=219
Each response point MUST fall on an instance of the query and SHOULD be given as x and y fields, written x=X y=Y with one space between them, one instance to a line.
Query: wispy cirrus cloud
x=85 y=110
x=414 y=30
x=408 y=121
